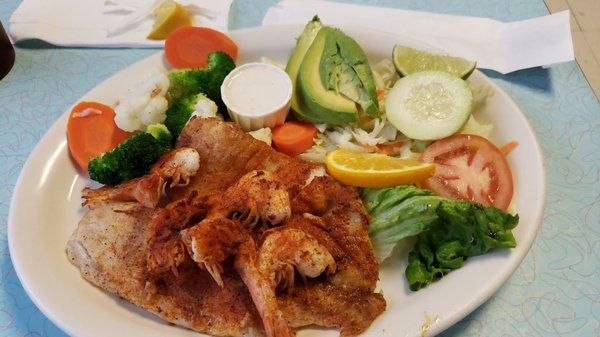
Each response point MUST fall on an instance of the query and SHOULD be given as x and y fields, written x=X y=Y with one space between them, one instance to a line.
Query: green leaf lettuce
x=447 y=231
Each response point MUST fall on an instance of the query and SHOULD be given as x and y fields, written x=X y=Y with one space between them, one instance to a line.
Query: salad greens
x=464 y=229
x=474 y=127
x=385 y=75
x=481 y=94
x=397 y=213
x=447 y=231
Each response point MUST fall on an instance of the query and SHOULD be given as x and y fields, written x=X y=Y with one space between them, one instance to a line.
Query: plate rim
x=448 y=320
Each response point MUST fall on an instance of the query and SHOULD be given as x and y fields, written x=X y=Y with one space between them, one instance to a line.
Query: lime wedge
x=167 y=17
x=408 y=61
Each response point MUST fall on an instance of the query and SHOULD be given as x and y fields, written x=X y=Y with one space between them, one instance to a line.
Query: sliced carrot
x=509 y=147
x=188 y=47
x=294 y=138
x=389 y=148
x=91 y=131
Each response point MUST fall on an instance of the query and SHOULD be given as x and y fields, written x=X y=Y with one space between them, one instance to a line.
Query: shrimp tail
x=261 y=291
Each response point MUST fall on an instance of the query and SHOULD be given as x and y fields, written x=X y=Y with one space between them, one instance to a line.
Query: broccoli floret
x=160 y=132
x=205 y=80
x=182 y=110
x=220 y=65
x=186 y=82
x=179 y=113
x=132 y=158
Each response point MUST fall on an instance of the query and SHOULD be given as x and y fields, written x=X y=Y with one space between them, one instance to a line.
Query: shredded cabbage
x=316 y=153
x=321 y=127
x=357 y=139
x=263 y=134
x=474 y=127
x=384 y=74
x=481 y=94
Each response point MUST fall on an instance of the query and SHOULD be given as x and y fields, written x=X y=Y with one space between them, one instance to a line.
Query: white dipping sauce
x=256 y=89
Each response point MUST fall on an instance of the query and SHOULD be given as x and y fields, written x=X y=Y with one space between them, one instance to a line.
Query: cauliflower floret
x=127 y=113
x=205 y=107
x=144 y=104
x=154 y=112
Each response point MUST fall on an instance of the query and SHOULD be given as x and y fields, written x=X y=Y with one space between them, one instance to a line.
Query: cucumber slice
x=408 y=61
x=429 y=105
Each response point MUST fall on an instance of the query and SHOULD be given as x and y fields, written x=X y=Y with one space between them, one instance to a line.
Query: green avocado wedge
x=354 y=57
x=293 y=66
x=323 y=105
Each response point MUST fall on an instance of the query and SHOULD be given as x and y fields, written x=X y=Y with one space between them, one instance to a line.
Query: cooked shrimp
x=146 y=190
x=257 y=196
x=287 y=248
x=212 y=241
x=261 y=291
x=166 y=251
x=176 y=166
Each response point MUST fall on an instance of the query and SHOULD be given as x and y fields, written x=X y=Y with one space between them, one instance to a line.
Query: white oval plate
x=45 y=209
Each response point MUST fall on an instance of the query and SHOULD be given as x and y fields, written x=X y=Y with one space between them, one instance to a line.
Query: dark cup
x=7 y=53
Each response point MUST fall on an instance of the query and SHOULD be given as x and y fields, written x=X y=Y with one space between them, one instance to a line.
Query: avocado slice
x=345 y=69
x=293 y=66
x=353 y=54
x=323 y=105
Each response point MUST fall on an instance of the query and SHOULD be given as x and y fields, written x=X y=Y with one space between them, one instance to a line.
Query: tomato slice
x=469 y=167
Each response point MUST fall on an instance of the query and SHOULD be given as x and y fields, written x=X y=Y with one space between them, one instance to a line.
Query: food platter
x=45 y=209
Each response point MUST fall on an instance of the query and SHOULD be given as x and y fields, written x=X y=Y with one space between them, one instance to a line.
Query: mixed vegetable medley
x=404 y=130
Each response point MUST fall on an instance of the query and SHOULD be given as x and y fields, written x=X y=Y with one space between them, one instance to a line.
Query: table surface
x=555 y=291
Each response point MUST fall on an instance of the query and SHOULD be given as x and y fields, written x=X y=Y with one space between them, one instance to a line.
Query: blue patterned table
x=555 y=291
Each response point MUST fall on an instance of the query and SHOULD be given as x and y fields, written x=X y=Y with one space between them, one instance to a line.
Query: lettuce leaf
x=397 y=213
x=475 y=127
x=464 y=229
x=447 y=231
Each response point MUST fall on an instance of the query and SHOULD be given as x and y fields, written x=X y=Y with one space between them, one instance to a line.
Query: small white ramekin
x=270 y=118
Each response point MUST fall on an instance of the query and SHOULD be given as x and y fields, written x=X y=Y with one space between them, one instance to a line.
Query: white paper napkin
x=96 y=23
x=501 y=46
